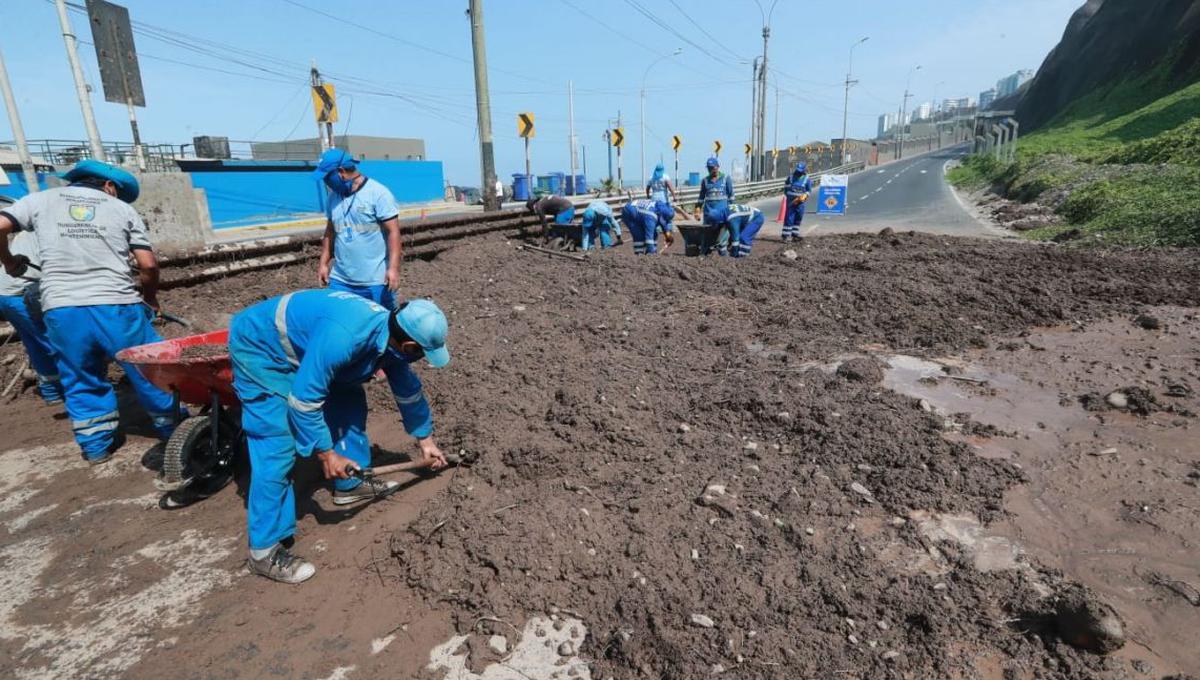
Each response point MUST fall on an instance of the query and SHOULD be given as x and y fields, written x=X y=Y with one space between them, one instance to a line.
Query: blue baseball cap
x=127 y=185
x=801 y=168
x=713 y=162
x=332 y=160
x=425 y=323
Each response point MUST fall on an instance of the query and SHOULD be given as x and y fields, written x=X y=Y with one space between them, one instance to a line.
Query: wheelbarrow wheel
x=189 y=458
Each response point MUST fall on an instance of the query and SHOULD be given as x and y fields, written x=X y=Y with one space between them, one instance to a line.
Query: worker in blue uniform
x=598 y=224
x=20 y=307
x=796 y=192
x=742 y=223
x=361 y=250
x=299 y=364
x=659 y=188
x=85 y=235
x=716 y=191
x=644 y=218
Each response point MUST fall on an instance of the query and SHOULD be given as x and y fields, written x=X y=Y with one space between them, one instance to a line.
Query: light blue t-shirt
x=360 y=248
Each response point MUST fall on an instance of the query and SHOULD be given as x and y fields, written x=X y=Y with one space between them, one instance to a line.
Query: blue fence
x=16 y=188
x=242 y=193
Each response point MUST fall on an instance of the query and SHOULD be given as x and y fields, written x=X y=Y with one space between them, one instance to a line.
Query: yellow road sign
x=525 y=125
x=618 y=137
x=749 y=149
x=716 y=146
x=807 y=149
x=676 y=142
x=324 y=103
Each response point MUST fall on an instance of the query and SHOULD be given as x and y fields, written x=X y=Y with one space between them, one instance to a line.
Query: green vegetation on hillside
x=1122 y=165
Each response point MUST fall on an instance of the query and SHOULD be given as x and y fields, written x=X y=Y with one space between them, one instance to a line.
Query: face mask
x=339 y=186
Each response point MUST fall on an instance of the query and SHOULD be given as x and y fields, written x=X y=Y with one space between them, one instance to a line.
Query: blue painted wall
x=242 y=193
x=16 y=187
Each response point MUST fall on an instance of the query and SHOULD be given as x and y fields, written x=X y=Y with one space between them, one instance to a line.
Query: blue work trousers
x=271 y=504
x=31 y=329
x=379 y=294
x=87 y=339
x=591 y=233
x=792 y=220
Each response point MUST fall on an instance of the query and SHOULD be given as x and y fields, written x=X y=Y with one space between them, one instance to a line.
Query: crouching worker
x=557 y=208
x=742 y=223
x=299 y=364
x=85 y=234
x=598 y=223
x=644 y=218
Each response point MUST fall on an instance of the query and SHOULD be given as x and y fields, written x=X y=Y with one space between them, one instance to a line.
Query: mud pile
x=660 y=457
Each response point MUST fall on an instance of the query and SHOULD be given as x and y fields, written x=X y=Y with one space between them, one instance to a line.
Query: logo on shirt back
x=82 y=213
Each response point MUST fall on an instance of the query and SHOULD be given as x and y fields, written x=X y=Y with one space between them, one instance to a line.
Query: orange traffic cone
x=782 y=210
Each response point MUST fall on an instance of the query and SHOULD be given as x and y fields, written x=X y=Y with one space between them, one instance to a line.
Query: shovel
x=421 y=464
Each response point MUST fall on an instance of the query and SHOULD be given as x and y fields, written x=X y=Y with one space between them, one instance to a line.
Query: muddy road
x=873 y=460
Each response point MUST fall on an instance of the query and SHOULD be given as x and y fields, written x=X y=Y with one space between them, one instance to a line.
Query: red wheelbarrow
x=196 y=370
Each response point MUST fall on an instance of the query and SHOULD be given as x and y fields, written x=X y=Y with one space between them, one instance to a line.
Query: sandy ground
x=676 y=480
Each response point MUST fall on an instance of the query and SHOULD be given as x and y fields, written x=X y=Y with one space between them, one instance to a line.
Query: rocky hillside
x=1108 y=42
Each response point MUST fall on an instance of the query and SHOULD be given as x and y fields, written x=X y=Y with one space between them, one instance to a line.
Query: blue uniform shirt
x=319 y=340
x=715 y=195
x=797 y=186
x=360 y=249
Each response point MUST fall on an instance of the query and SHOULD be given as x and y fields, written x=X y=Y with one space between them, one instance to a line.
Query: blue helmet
x=712 y=162
x=127 y=185
x=801 y=168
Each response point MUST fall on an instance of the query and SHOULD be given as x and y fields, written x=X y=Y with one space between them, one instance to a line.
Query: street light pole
x=761 y=138
x=14 y=118
x=904 y=107
x=753 y=111
x=846 y=106
x=642 y=104
x=933 y=112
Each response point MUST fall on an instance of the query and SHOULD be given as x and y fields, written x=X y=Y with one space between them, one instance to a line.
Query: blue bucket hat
x=332 y=160
x=128 y=188
x=713 y=163
x=425 y=323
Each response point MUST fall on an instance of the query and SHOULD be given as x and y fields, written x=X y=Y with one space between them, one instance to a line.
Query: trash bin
x=693 y=179
x=570 y=188
x=580 y=185
x=556 y=183
x=520 y=187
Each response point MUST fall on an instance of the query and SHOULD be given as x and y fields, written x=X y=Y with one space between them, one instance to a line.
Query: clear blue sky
x=405 y=70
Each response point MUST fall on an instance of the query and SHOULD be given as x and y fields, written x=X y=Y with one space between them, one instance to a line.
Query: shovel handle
x=363 y=473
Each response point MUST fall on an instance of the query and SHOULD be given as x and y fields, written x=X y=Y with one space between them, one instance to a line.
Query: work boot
x=281 y=565
x=370 y=489
x=117 y=442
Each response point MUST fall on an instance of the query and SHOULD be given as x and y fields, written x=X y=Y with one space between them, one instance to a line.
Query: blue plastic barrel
x=543 y=183
x=569 y=190
x=693 y=179
x=556 y=183
x=520 y=187
x=580 y=185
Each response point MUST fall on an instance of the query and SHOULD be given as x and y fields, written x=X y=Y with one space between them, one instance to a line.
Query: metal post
x=676 y=175
x=528 y=167
x=642 y=129
x=775 y=144
x=571 y=127
x=14 y=119
x=608 y=143
x=753 y=105
x=133 y=124
x=761 y=142
x=846 y=104
x=81 y=88
x=487 y=157
x=904 y=107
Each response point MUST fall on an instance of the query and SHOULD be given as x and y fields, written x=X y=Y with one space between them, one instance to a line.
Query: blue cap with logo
x=425 y=323
x=332 y=160
x=713 y=162
x=127 y=185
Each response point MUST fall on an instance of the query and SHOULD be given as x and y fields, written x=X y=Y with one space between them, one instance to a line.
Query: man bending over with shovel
x=299 y=364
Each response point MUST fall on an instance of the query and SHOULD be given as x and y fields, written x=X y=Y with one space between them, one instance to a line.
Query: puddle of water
x=536 y=654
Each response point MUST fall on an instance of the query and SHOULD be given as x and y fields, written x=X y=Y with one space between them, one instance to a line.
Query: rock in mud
x=1117 y=400
x=718 y=497
x=498 y=644
x=702 y=621
x=1148 y=322
x=1086 y=623
x=862 y=369
x=790 y=254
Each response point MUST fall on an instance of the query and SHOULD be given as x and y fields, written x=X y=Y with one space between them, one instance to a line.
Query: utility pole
x=904 y=107
x=761 y=141
x=81 y=88
x=483 y=106
x=571 y=128
x=14 y=118
x=775 y=144
x=846 y=106
x=753 y=109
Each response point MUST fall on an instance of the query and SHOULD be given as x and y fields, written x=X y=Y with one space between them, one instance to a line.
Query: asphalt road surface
x=910 y=194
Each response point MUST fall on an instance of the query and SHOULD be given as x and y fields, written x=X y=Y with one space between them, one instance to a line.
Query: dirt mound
x=862 y=369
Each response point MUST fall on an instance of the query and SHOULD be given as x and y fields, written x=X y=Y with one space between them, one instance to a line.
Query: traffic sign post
x=618 y=140
x=676 y=142
x=749 y=149
x=525 y=131
x=831 y=195
x=120 y=75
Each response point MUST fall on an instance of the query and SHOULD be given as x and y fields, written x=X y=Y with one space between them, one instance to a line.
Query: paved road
x=910 y=194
